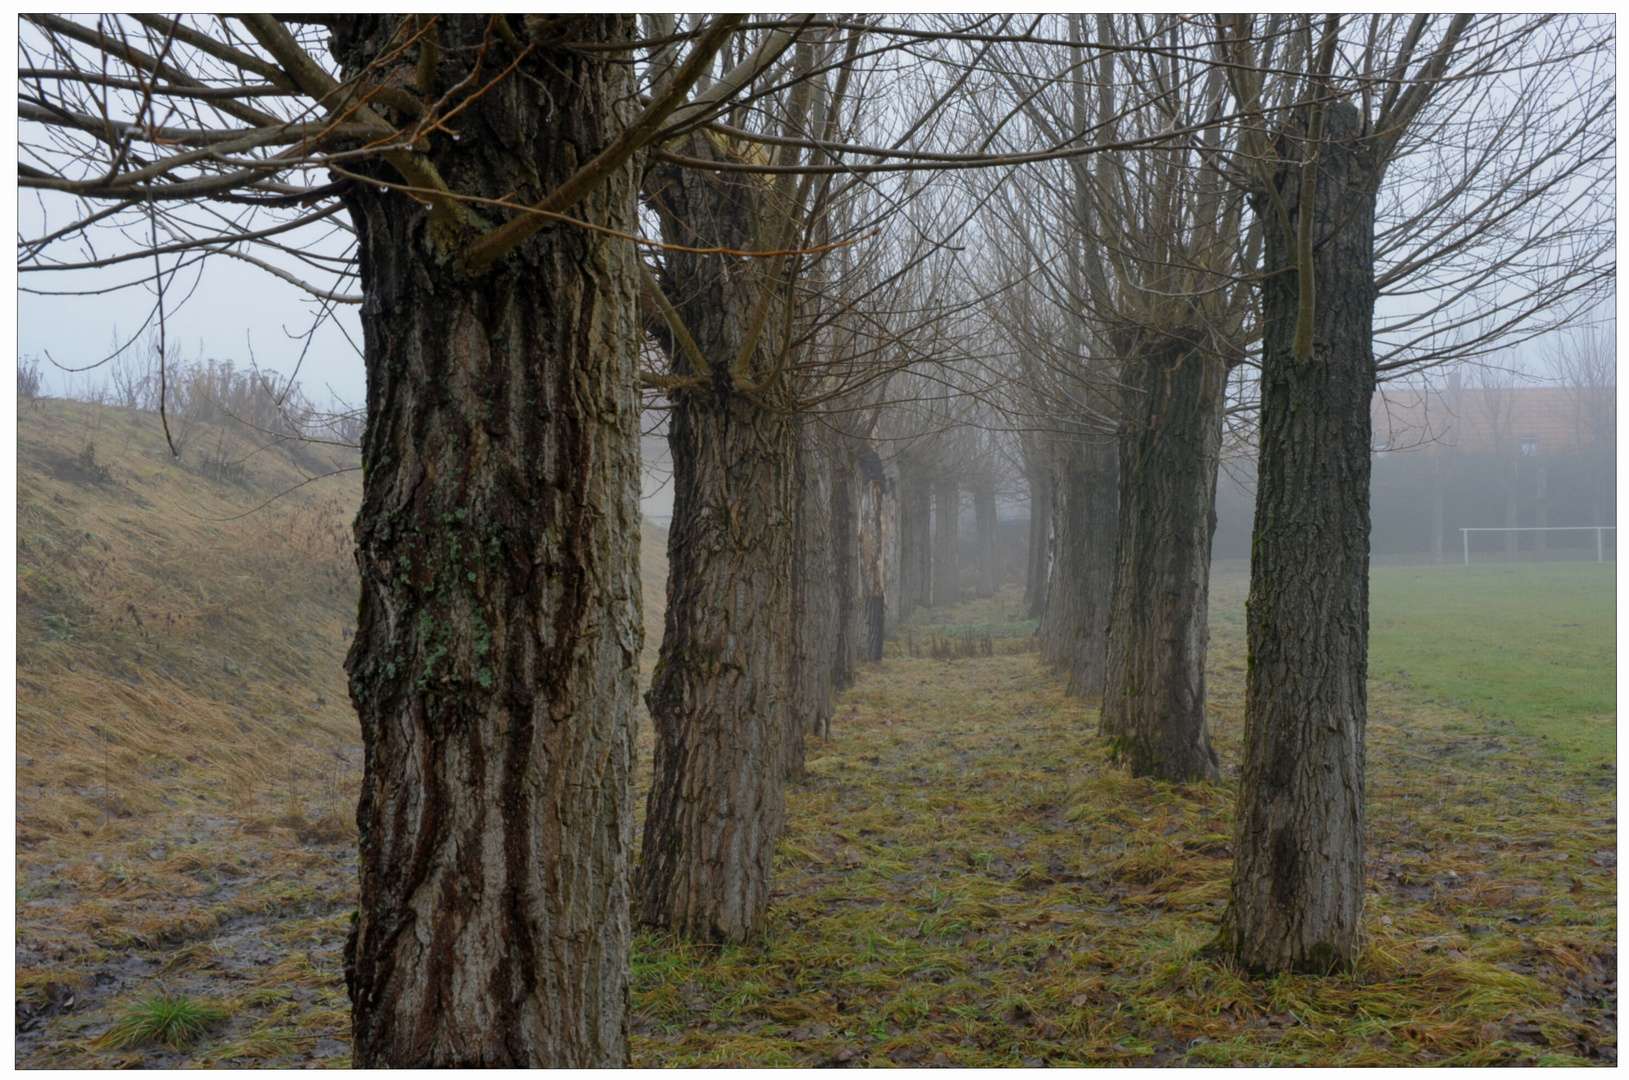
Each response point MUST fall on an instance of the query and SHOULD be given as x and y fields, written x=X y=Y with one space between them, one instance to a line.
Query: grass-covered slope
x=187 y=758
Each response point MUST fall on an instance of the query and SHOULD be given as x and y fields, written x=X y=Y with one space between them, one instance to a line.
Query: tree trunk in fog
x=946 y=571
x=1170 y=447
x=498 y=632
x=1040 y=525
x=1509 y=478
x=874 y=536
x=984 y=510
x=915 y=541
x=1436 y=506
x=720 y=698
x=845 y=558
x=814 y=613
x=1067 y=557
x=1297 y=892
x=1541 y=508
x=1075 y=627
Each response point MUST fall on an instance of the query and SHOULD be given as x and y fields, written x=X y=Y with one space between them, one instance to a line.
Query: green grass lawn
x=1532 y=645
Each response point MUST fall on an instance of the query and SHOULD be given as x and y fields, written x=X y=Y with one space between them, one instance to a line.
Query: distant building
x=1529 y=420
x=1471 y=457
x=1491 y=456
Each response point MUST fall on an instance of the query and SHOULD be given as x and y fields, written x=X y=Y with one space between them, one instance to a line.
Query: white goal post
x=1598 y=530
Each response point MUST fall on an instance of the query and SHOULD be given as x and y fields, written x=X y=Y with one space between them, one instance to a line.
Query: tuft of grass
x=264 y=1044
x=197 y=955
x=175 y=1021
x=266 y=997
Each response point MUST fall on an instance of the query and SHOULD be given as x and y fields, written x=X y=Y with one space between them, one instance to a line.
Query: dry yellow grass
x=187 y=757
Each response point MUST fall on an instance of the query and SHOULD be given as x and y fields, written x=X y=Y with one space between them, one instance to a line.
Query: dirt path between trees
x=968 y=881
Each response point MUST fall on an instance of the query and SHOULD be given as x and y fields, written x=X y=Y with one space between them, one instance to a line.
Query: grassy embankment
x=965 y=878
x=187 y=758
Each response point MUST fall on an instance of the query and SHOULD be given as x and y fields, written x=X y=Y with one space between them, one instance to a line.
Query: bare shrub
x=28 y=379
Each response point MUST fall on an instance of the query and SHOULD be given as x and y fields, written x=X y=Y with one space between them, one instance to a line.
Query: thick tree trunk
x=874 y=536
x=498 y=634
x=946 y=566
x=1075 y=627
x=1510 y=480
x=720 y=698
x=1436 y=506
x=1297 y=892
x=814 y=612
x=915 y=540
x=1170 y=447
x=1040 y=528
x=845 y=558
x=984 y=511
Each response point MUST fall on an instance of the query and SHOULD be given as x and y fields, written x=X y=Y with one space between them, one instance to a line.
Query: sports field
x=1530 y=646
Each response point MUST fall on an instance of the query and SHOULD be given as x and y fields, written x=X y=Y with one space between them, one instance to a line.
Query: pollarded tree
x=488 y=174
x=463 y=668
x=1164 y=293
x=1171 y=227
x=748 y=351
x=720 y=697
x=1323 y=125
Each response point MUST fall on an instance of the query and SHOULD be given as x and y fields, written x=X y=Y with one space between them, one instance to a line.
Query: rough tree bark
x=984 y=512
x=1297 y=892
x=498 y=633
x=814 y=611
x=845 y=558
x=1170 y=447
x=915 y=539
x=1075 y=627
x=875 y=533
x=1039 y=478
x=946 y=568
x=720 y=698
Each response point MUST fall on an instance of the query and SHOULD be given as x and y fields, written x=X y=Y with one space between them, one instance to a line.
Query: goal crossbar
x=1598 y=530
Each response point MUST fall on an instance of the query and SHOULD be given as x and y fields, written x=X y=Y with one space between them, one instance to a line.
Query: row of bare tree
x=1335 y=164
x=857 y=262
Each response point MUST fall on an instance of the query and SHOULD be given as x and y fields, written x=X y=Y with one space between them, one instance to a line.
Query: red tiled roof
x=1563 y=419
